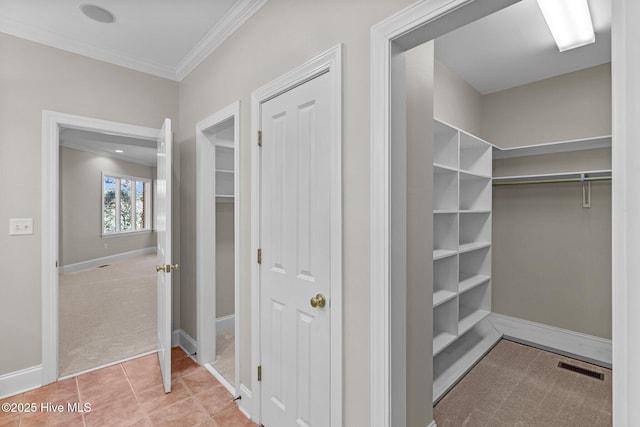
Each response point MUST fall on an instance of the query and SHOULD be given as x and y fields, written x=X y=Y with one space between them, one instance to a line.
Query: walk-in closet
x=521 y=194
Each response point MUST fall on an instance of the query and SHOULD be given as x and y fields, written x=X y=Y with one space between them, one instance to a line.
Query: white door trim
x=329 y=61
x=51 y=124
x=206 y=236
x=409 y=28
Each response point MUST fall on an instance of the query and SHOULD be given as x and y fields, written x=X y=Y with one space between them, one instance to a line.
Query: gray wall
x=456 y=102
x=34 y=77
x=571 y=106
x=225 y=258
x=80 y=209
x=551 y=256
x=280 y=36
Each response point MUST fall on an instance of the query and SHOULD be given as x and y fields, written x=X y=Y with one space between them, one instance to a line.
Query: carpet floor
x=517 y=385
x=107 y=314
x=225 y=362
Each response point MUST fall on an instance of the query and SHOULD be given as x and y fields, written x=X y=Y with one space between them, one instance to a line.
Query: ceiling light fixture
x=119 y=151
x=97 y=13
x=569 y=22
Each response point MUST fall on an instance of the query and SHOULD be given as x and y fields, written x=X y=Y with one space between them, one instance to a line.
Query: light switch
x=20 y=226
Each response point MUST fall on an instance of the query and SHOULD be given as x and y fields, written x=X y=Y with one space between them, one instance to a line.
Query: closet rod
x=552 y=181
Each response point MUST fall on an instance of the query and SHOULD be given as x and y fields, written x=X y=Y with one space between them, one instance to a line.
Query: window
x=126 y=204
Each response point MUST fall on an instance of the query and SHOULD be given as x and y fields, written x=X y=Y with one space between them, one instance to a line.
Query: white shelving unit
x=224 y=174
x=462 y=168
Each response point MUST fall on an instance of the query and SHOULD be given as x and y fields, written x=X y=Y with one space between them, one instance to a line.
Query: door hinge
x=259 y=256
x=259 y=138
x=259 y=372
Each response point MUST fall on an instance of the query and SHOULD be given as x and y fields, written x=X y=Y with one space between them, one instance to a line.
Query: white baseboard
x=579 y=346
x=246 y=403
x=230 y=388
x=180 y=338
x=71 y=268
x=433 y=424
x=225 y=324
x=20 y=381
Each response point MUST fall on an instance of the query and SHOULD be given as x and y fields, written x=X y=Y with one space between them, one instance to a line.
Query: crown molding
x=58 y=41
x=233 y=19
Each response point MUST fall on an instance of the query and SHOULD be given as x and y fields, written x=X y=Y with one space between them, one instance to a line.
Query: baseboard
x=180 y=338
x=222 y=380
x=71 y=268
x=579 y=346
x=20 y=381
x=246 y=403
x=225 y=324
x=433 y=424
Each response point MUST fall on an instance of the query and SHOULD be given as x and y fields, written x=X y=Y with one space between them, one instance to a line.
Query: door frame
x=423 y=21
x=52 y=122
x=327 y=62
x=206 y=237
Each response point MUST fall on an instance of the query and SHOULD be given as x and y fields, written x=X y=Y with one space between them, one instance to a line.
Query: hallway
x=130 y=393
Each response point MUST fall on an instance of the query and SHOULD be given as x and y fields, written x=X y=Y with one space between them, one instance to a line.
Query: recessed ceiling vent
x=97 y=13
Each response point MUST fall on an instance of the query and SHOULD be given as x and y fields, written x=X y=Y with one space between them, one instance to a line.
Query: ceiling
x=166 y=38
x=514 y=46
x=141 y=151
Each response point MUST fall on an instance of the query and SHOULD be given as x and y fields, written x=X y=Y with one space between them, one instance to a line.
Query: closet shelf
x=470 y=281
x=441 y=340
x=470 y=320
x=439 y=168
x=442 y=253
x=472 y=246
x=475 y=211
x=552 y=147
x=442 y=296
x=562 y=177
x=472 y=175
x=444 y=211
x=224 y=171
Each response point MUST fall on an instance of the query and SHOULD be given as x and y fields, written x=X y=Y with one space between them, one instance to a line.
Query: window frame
x=149 y=204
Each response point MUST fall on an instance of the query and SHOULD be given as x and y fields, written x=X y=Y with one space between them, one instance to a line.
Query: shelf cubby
x=224 y=158
x=475 y=155
x=474 y=305
x=224 y=183
x=445 y=280
x=445 y=324
x=475 y=192
x=445 y=145
x=445 y=189
x=474 y=268
x=445 y=234
x=475 y=230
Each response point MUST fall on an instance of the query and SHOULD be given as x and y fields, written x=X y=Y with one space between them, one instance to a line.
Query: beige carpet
x=107 y=314
x=225 y=362
x=517 y=385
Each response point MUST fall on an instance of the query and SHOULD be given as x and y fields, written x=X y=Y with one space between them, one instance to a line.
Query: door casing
x=51 y=124
x=331 y=62
x=206 y=237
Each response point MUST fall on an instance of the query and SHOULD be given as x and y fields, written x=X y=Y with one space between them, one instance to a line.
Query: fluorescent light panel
x=569 y=22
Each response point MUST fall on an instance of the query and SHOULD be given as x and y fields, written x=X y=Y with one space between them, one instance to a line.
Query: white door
x=295 y=241
x=164 y=267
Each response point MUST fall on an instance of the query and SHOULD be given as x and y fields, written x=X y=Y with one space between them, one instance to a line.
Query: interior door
x=164 y=266
x=295 y=273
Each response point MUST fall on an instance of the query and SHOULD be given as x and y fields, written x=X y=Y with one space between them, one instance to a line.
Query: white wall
x=34 y=77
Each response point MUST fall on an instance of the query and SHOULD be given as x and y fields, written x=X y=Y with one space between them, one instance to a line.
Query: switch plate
x=20 y=226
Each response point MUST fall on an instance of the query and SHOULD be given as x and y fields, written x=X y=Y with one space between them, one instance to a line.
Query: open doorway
x=218 y=245
x=107 y=250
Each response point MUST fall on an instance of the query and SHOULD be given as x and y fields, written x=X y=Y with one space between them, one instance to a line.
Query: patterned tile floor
x=131 y=394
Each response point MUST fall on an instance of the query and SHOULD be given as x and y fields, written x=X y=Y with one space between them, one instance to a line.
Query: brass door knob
x=318 y=301
x=167 y=268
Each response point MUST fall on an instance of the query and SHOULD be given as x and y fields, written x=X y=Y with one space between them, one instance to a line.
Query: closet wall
x=225 y=258
x=551 y=257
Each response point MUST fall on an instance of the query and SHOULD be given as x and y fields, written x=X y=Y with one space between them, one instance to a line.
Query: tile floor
x=131 y=394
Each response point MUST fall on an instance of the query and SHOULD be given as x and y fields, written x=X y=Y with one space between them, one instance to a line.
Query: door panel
x=163 y=228
x=296 y=252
